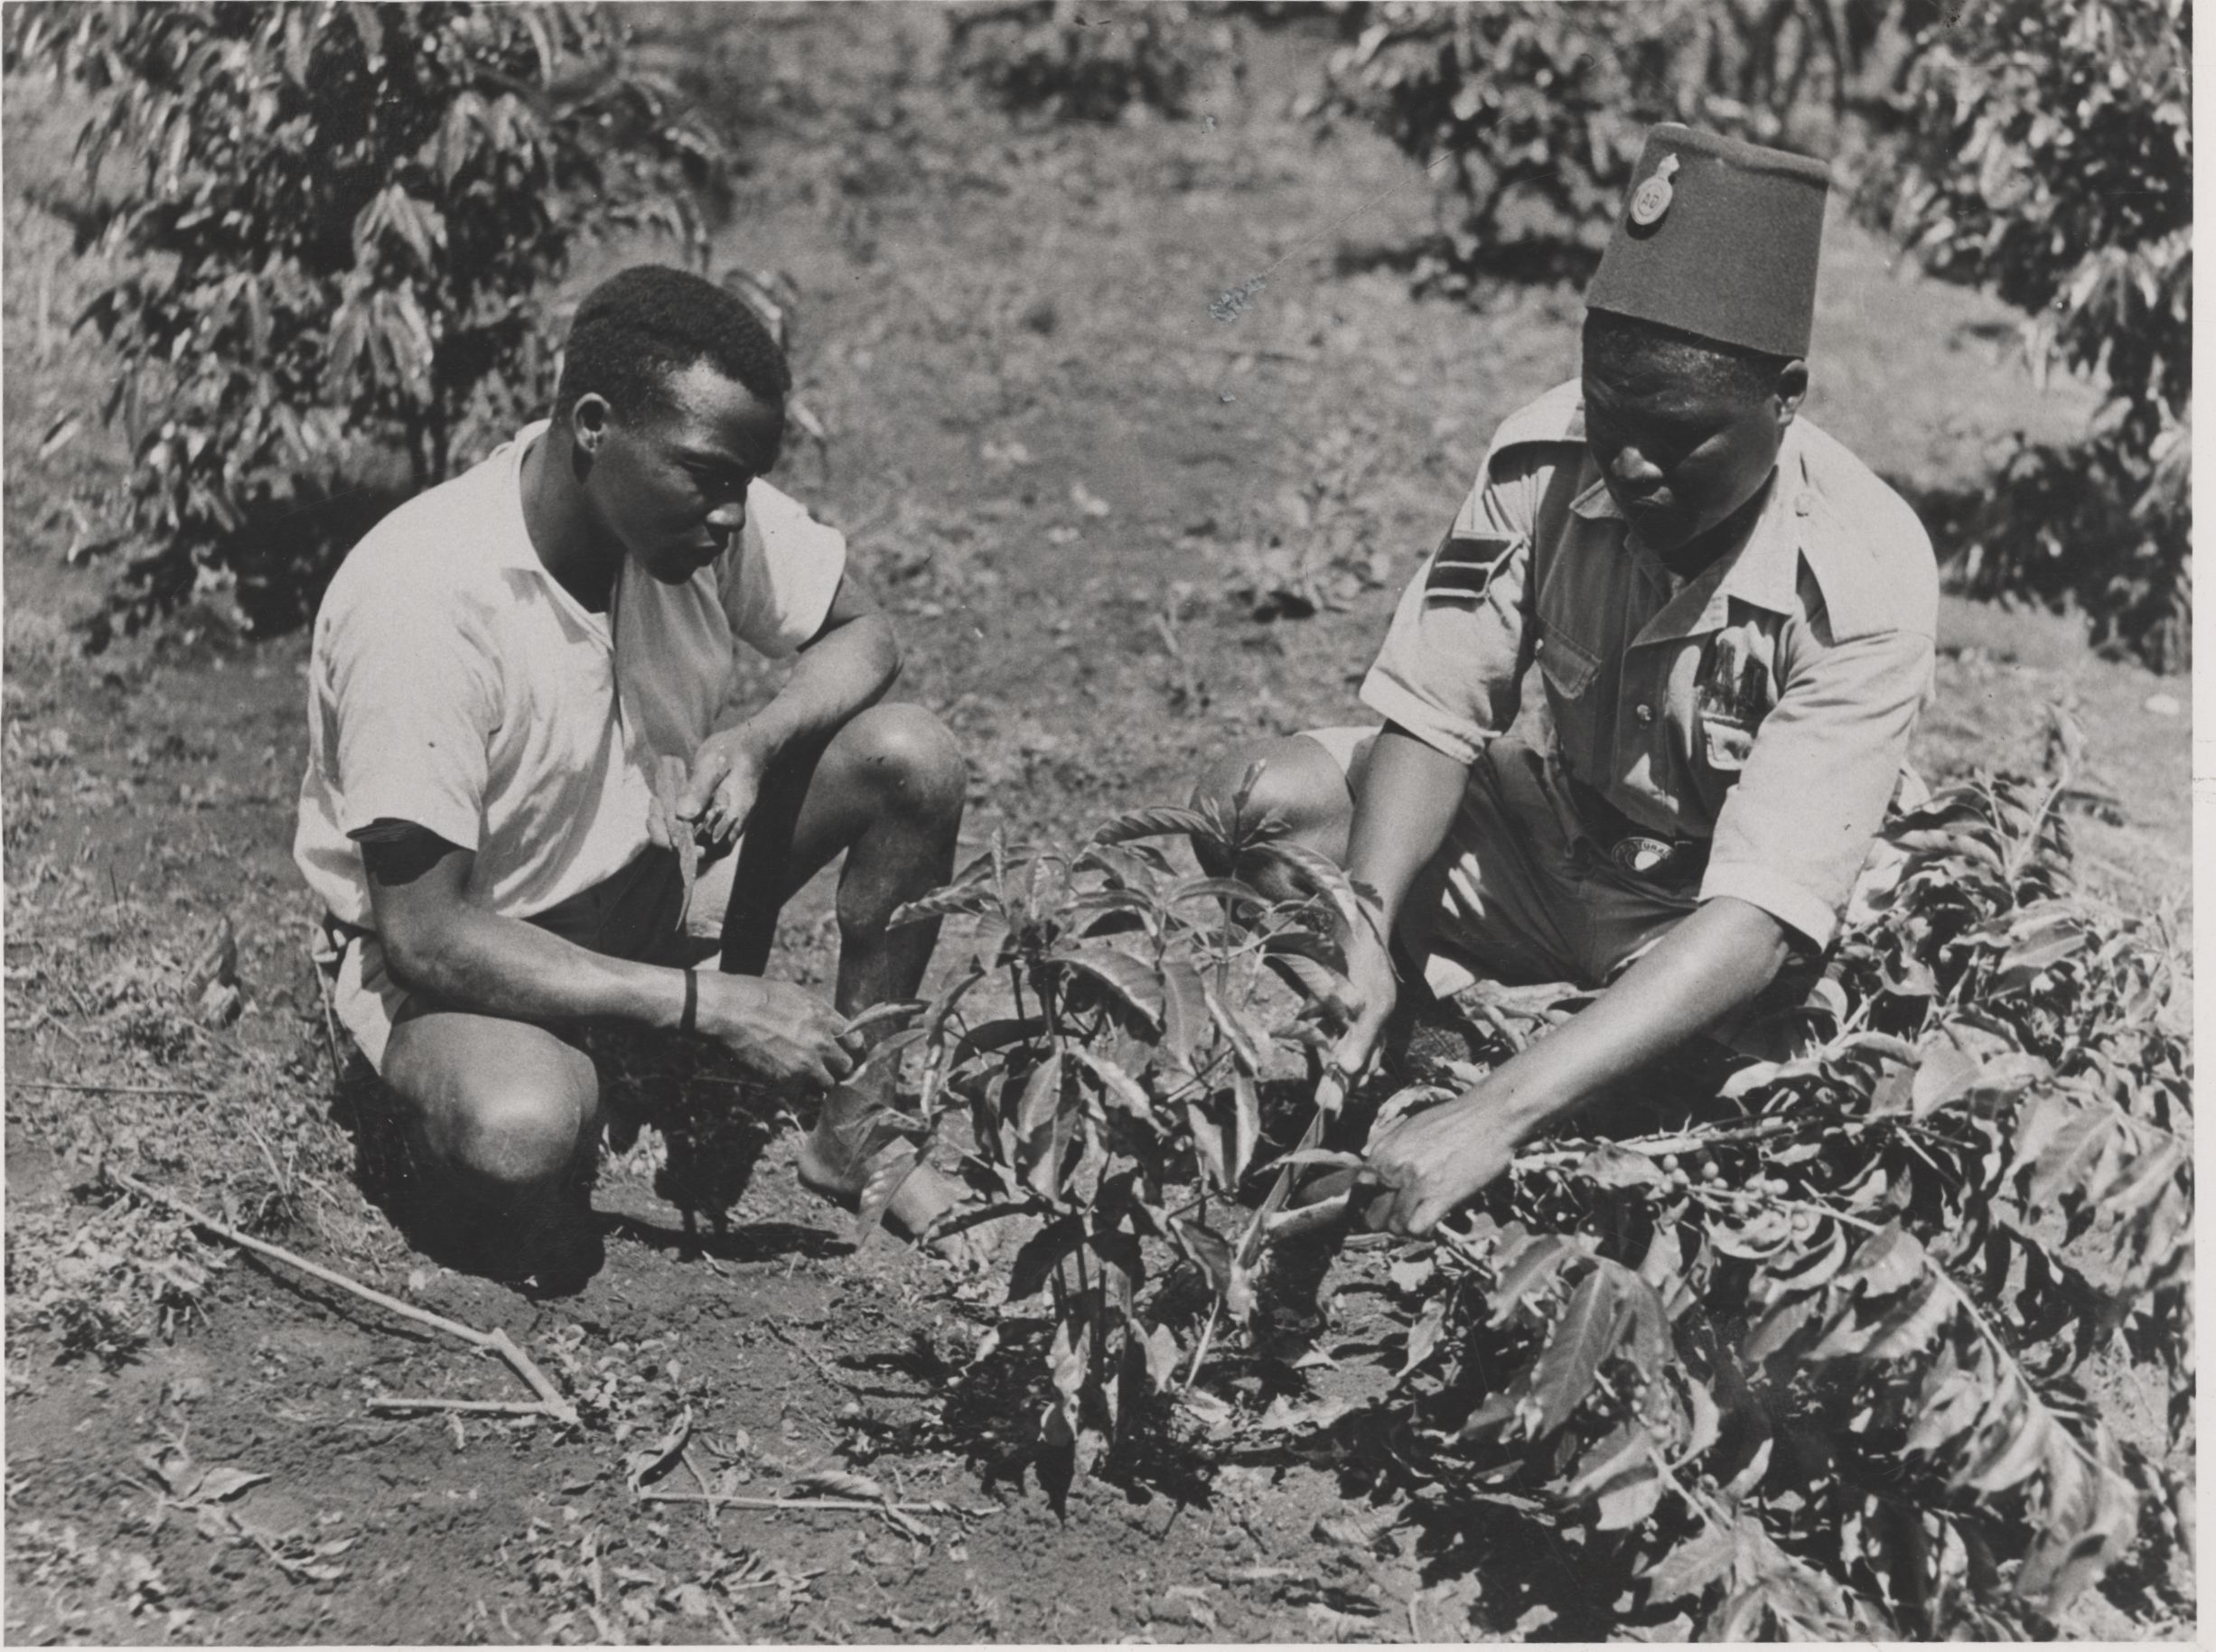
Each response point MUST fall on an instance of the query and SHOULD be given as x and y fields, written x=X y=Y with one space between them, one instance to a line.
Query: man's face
x=1677 y=455
x=671 y=483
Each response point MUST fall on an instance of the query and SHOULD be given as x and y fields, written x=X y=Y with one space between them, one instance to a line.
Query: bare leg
x=886 y=789
x=504 y=1118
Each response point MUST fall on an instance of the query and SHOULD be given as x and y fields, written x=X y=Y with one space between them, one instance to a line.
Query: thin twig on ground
x=110 y=1089
x=514 y=1408
x=496 y=1341
x=853 y=1506
x=896 y=1515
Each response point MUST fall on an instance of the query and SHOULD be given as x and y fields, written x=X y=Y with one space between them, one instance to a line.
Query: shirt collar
x=1766 y=570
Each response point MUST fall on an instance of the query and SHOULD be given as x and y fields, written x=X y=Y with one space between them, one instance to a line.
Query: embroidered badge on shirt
x=1733 y=697
x=1464 y=566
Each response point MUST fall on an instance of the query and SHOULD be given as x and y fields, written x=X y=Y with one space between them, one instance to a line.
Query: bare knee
x=521 y=1138
x=907 y=760
x=1292 y=780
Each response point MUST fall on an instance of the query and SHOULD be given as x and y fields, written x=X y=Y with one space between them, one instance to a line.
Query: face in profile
x=1681 y=442
x=670 y=483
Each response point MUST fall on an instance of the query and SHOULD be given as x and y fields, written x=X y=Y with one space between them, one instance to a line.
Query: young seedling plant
x=1117 y=1105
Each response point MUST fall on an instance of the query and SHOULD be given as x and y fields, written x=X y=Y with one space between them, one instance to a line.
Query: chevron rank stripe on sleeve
x=1464 y=566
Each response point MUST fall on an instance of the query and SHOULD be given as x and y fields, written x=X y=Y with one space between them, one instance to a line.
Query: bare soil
x=1078 y=489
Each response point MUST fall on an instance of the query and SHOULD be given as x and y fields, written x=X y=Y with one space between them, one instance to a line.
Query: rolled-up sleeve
x=1795 y=831
x=1451 y=667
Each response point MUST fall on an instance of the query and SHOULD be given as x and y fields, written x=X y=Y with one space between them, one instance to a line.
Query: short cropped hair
x=644 y=325
x=1613 y=340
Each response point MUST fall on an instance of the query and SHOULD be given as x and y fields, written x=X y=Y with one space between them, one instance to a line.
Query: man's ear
x=1792 y=389
x=590 y=418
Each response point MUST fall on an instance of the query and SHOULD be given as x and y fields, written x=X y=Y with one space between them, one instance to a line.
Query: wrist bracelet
x=686 y=1022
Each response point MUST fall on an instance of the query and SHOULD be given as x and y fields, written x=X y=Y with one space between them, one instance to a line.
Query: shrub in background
x=336 y=225
x=2046 y=152
x=1087 y=62
x=1535 y=114
x=2042 y=152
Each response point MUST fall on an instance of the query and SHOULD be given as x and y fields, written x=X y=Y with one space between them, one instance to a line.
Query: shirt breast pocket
x=1568 y=669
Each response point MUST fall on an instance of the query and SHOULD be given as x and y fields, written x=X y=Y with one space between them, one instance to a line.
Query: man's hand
x=1370 y=971
x=1434 y=1163
x=725 y=784
x=777 y=1029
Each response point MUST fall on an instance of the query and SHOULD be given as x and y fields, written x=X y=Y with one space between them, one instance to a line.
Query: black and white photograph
x=1093 y=821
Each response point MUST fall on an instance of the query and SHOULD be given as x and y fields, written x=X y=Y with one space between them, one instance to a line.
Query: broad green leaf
x=1706 y=1422
x=1043 y=1123
x=1946 y=1414
x=1586 y=1335
x=2078 y=1543
x=1249 y=1045
x=1813 y=1269
x=1161 y=1347
x=1629 y=1500
x=1229 y=892
x=1619 y=1450
x=1246 y=1127
x=1534 y=1267
x=1943 y=1075
x=1424 y=1335
x=1689 y=1569
x=1185 y=1017
x=1611 y=1166
x=1780 y=1325
x=1888 y=1261
x=1206 y=1248
x=1118 y=1085
x=2016 y=1445
x=1161 y=822
x=1207 y=1146
x=1911 y=1320
x=1130 y=982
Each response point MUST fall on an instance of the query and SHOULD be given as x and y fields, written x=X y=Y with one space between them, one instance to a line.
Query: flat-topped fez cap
x=1719 y=238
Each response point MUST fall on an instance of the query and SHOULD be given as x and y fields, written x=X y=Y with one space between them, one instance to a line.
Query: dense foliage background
x=335 y=229
x=336 y=225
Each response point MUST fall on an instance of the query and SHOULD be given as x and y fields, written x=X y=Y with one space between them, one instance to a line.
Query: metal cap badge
x=1651 y=199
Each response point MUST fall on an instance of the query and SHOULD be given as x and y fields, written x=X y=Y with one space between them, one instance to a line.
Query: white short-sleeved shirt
x=455 y=685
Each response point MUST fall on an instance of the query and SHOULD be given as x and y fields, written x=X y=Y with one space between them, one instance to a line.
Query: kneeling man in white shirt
x=501 y=671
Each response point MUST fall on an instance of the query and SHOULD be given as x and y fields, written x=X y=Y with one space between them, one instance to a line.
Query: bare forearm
x=474 y=960
x=1407 y=801
x=844 y=672
x=1709 y=965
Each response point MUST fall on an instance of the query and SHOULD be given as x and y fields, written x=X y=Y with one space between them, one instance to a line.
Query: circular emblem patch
x=1651 y=199
x=1639 y=855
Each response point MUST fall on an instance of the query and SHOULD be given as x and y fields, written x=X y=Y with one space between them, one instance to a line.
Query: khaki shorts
x=1509 y=900
x=641 y=914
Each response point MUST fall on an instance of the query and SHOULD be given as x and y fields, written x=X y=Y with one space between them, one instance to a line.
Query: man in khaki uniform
x=1731 y=620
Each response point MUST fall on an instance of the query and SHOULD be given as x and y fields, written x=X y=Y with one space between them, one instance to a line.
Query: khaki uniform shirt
x=1764 y=706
